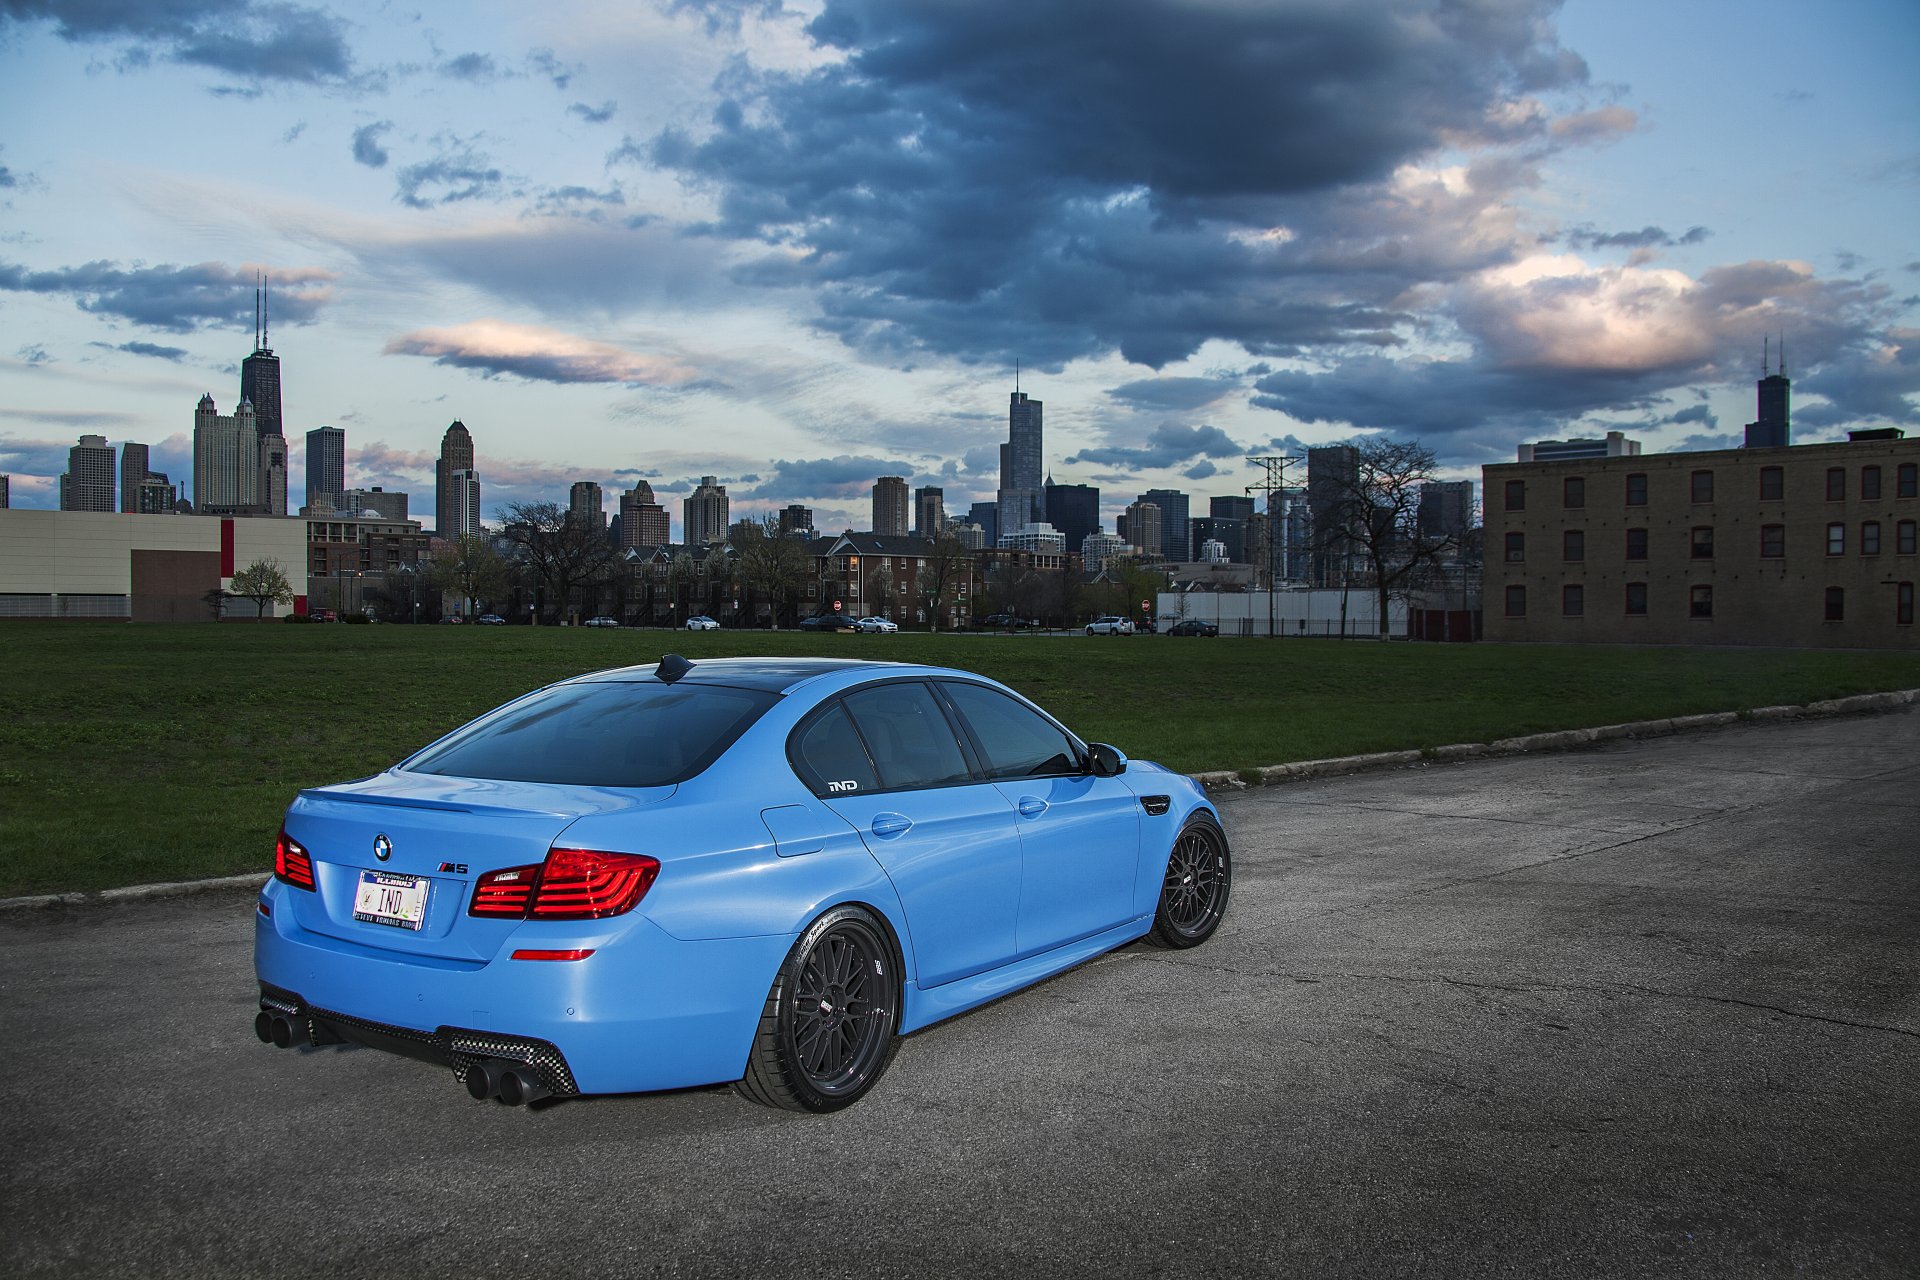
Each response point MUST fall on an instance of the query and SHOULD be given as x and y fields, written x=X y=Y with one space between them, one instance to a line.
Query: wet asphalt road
x=1647 y=1009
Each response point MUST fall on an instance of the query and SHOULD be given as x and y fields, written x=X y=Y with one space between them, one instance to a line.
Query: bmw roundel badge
x=382 y=847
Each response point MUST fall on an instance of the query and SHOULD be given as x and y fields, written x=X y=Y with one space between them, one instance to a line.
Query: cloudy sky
x=801 y=246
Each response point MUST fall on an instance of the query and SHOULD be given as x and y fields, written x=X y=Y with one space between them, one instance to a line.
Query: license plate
x=389 y=899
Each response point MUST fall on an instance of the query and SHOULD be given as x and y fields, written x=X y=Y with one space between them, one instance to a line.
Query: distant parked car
x=701 y=622
x=827 y=622
x=1110 y=626
x=1193 y=627
x=490 y=620
x=1006 y=621
x=876 y=625
x=603 y=621
x=453 y=619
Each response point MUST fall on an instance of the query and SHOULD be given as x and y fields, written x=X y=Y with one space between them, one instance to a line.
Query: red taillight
x=504 y=894
x=291 y=863
x=537 y=953
x=573 y=884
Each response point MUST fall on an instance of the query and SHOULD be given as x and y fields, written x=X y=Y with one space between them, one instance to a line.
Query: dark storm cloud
x=175 y=354
x=208 y=295
x=1168 y=445
x=1646 y=238
x=844 y=476
x=1062 y=180
x=252 y=41
x=1174 y=393
x=366 y=144
x=594 y=115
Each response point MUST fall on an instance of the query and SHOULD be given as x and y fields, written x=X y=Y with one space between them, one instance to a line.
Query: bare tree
x=1377 y=514
x=264 y=582
x=472 y=570
x=559 y=554
x=947 y=565
x=772 y=564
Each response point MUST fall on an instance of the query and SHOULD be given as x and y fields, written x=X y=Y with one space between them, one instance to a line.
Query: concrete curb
x=1298 y=771
x=1558 y=740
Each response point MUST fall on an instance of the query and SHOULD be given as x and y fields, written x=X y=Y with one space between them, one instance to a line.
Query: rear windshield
x=614 y=734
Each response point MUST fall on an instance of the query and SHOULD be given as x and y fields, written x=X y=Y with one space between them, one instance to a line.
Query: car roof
x=775 y=675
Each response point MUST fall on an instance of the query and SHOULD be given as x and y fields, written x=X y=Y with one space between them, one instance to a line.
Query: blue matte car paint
x=673 y=992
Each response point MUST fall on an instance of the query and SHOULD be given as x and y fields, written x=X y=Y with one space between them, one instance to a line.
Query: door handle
x=1032 y=806
x=889 y=825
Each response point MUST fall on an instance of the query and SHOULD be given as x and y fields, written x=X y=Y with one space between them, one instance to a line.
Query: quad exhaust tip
x=509 y=1083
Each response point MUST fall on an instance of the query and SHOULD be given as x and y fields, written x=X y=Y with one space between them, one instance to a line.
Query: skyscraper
x=260 y=387
x=704 y=514
x=326 y=468
x=1021 y=499
x=1141 y=526
x=6 y=492
x=226 y=460
x=1174 y=538
x=133 y=474
x=1770 y=431
x=795 y=518
x=1333 y=501
x=643 y=522
x=929 y=511
x=890 y=506
x=456 y=513
x=1073 y=509
x=1446 y=508
x=585 y=504
x=88 y=483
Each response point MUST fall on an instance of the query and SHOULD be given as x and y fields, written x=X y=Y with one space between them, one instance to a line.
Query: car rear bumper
x=645 y=1011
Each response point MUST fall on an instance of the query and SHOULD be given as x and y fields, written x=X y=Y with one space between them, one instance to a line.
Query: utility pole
x=1275 y=481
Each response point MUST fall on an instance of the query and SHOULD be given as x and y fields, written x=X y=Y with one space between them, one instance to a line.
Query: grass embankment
x=131 y=754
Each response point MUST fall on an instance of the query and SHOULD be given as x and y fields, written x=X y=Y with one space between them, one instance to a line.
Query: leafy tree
x=1377 y=515
x=561 y=555
x=264 y=582
x=472 y=570
x=771 y=564
x=681 y=572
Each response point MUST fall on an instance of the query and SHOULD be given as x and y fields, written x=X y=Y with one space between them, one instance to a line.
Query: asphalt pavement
x=1642 y=1009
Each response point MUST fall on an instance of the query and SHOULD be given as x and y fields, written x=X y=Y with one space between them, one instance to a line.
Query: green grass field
x=131 y=754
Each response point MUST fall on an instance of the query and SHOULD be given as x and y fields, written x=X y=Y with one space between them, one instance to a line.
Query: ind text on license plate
x=386 y=898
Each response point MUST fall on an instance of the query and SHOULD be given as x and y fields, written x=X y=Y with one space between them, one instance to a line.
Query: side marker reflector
x=531 y=953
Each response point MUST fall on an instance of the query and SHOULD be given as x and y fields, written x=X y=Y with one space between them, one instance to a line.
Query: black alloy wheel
x=1193 y=896
x=828 y=1028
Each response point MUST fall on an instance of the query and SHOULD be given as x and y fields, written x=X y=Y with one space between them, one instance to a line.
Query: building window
x=1836 y=604
x=1573 y=545
x=1700 y=602
x=1773 y=484
x=1870 y=483
x=1573 y=600
x=1573 y=491
x=1636 y=544
x=1516 y=547
x=1516 y=602
x=1637 y=489
x=1837 y=538
x=1907 y=480
x=1903 y=604
x=1773 y=541
x=1516 y=495
x=1903 y=537
x=1836 y=484
x=1703 y=542
x=1870 y=538
x=1636 y=599
x=1703 y=486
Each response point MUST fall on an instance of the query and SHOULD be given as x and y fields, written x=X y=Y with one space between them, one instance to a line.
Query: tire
x=827 y=1030
x=1193 y=894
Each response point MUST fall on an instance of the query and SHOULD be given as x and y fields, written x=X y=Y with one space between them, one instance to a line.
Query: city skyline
x=601 y=239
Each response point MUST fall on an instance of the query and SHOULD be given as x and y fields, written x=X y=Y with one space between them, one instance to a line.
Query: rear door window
x=907 y=733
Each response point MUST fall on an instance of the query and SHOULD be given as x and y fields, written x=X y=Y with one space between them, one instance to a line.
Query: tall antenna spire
x=1783 y=353
x=1766 y=355
x=1016 y=375
x=256 y=311
x=263 y=311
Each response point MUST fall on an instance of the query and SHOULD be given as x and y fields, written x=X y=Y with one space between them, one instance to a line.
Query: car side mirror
x=1104 y=761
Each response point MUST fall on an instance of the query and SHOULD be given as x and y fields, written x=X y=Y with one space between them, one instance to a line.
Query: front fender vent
x=1156 y=806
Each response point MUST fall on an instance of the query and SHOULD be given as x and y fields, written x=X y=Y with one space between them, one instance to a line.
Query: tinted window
x=831 y=758
x=1573 y=600
x=1773 y=483
x=1636 y=599
x=1516 y=493
x=1703 y=486
x=1636 y=544
x=1773 y=541
x=1573 y=491
x=910 y=737
x=1516 y=602
x=1017 y=742
x=611 y=734
x=1637 y=490
x=1870 y=482
x=1573 y=545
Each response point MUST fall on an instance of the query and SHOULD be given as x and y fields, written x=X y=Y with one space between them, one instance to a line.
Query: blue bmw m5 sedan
x=758 y=871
